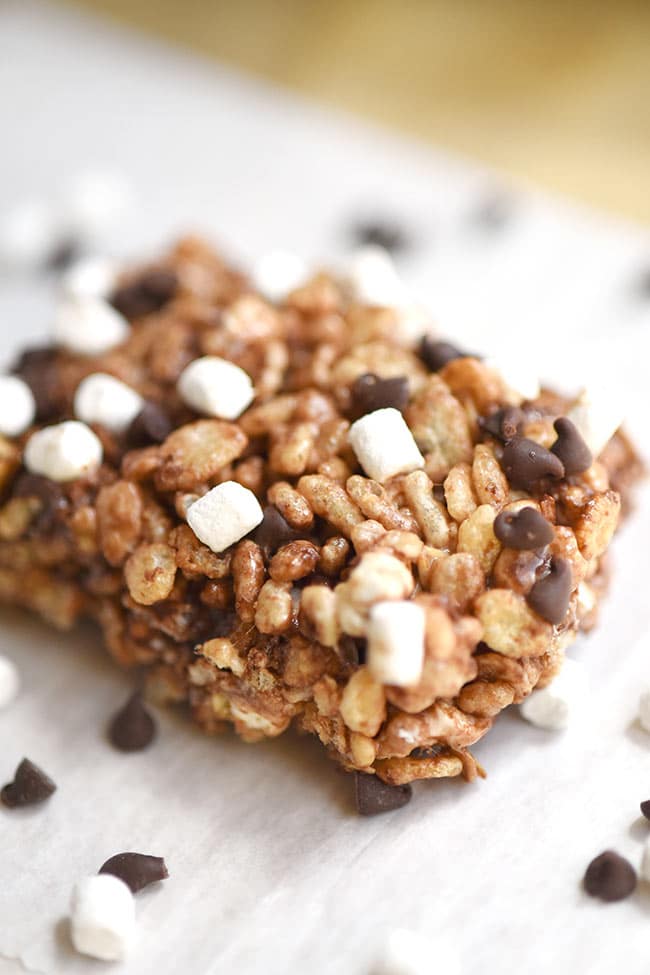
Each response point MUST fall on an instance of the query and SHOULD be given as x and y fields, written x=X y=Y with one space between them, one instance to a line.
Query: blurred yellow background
x=556 y=92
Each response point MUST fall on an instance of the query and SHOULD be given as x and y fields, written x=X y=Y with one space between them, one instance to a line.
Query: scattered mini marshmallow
x=88 y=325
x=95 y=201
x=277 y=273
x=597 y=417
x=373 y=279
x=224 y=515
x=101 y=398
x=395 y=635
x=644 y=871
x=216 y=387
x=518 y=372
x=90 y=277
x=553 y=707
x=384 y=445
x=17 y=406
x=102 y=917
x=28 y=236
x=409 y=953
x=63 y=451
x=9 y=682
x=644 y=709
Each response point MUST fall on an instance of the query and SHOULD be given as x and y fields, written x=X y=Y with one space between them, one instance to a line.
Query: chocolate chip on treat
x=30 y=786
x=370 y=393
x=436 y=354
x=645 y=808
x=503 y=424
x=133 y=728
x=147 y=294
x=374 y=796
x=525 y=529
x=38 y=368
x=137 y=870
x=610 y=877
x=550 y=595
x=381 y=233
x=151 y=425
x=570 y=447
x=525 y=462
x=273 y=531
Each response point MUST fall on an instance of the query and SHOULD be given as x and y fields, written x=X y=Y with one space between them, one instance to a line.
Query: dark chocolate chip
x=137 y=870
x=374 y=796
x=147 y=294
x=30 y=786
x=570 y=447
x=381 y=233
x=525 y=462
x=273 y=531
x=151 y=425
x=503 y=424
x=610 y=877
x=370 y=393
x=38 y=367
x=63 y=254
x=436 y=354
x=133 y=727
x=525 y=529
x=550 y=595
x=645 y=808
x=54 y=503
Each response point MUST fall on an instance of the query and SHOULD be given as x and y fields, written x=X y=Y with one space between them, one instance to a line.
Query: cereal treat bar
x=301 y=512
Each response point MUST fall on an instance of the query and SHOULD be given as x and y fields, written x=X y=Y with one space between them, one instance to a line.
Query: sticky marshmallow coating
x=216 y=387
x=103 y=399
x=102 y=917
x=17 y=406
x=554 y=707
x=395 y=637
x=88 y=325
x=384 y=445
x=63 y=451
x=224 y=515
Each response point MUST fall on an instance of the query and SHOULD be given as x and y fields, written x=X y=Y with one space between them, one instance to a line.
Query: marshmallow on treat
x=103 y=399
x=597 y=417
x=553 y=706
x=277 y=273
x=17 y=406
x=102 y=917
x=373 y=279
x=216 y=387
x=88 y=325
x=395 y=637
x=63 y=451
x=92 y=277
x=384 y=445
x=224 y=515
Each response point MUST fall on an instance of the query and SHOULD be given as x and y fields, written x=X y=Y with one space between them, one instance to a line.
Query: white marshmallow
x=554 y=707
x=95 y=201
x=408 y=953
x=372 y=278
x=101 y=398
x=395 y=636
x=63 y=452
x=17 y=406
x=102 y=917
x=216 y=387
x=597 y=417
x=88 y=325
x=224 y=515
x=277 y=273
x=384 y=445
x=519 y=375
x=644 y=709
x=92 y=277
x=644 y=871
x=28 y=236
x=9 y=682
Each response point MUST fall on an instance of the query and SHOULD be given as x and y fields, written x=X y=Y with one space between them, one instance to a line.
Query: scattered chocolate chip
x=273 y=531
x=645 y=808
x=30 y=786
x=146 y=294
x=133 y=728
x=570 y=447
x=525 y=529
x=381 y=233
x=374 y=796
x=63 y=254
x=550 y=595
x=436 y=354
x=38 y=367
x=151 y=425
x=353 y=650
x=525 y=462
x=610 y=877
x=137 y=870
x=503 y=424
x=370 y=393
x=54 y=503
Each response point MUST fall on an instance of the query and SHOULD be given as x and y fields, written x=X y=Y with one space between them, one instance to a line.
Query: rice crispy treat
x=393 y=616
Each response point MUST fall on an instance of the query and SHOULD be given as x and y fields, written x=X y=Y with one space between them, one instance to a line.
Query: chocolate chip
x=436 y=354
x=550 y=595
x=503 y=424
x=133 y=728
x=54 y=503
x=525 y=529
x=570 y=447
x=525 y=462
x=610 y=877
x=273 y=531
x=137 y=870
x=370 y=393
x=645 y=808
x=146 y=294
x=38 y=367
x=151 y=425
x=381 y=233
x=374 y=796
x=30 y=786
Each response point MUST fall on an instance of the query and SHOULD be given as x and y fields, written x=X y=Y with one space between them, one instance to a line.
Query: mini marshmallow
x=277 y=273
x=384 y=445
x=102 y=917
x=409 y=953
x=518 y=373
x=372 y=278
x=216 y=387
x=101 y=398
x=395 y=635
x=88 y=325
x=17 y=406
x=9 y=682
x=553 y=707
x=644 y=710
x=95 y=201
x=63 y=452
x=644 y=871
x=28 y=236
x=92 y=277
x=224 y=515
x=597 y=418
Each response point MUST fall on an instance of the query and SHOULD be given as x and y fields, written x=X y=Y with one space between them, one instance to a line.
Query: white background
x=271 y=870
